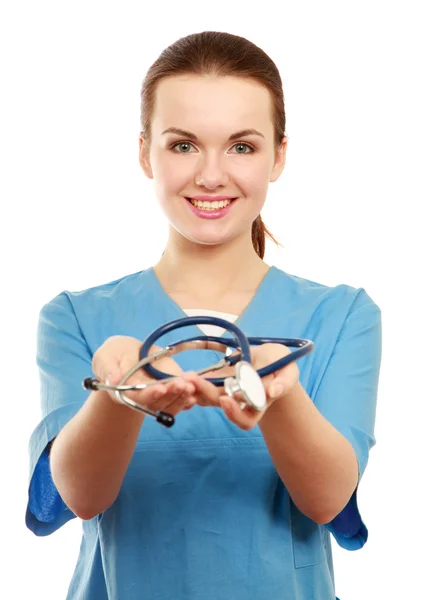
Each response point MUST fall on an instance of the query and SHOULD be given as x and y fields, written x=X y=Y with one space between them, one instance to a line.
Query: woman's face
x=209 y=156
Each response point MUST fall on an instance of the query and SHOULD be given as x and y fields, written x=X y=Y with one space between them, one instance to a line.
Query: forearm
x=316 y=463
x=91 y=454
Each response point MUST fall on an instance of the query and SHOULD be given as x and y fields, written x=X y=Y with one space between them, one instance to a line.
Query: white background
x=353 y=206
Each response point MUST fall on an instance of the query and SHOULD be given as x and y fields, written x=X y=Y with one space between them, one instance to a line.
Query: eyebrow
x=192 y=136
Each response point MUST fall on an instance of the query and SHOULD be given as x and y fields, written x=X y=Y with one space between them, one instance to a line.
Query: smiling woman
x=213 y=507
x=218 y=99
x=213 y=153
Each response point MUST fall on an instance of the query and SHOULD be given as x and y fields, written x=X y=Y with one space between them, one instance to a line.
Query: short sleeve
x=347 y=397
x=64 y=361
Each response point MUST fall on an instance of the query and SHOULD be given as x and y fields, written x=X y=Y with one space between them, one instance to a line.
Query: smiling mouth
x=215 y=205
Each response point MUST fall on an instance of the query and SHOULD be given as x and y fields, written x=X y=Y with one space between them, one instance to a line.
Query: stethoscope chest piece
x=248 y=384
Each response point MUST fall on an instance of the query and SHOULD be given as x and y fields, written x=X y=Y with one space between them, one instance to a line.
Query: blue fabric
x=348 y=527
x=202 y=510
x=45 y=502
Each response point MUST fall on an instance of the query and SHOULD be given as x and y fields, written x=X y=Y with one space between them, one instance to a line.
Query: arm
x=321 y=446
x=90 y=455
x=316 y=463
x=94 y=438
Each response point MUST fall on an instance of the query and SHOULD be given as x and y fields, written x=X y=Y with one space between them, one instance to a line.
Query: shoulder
x=339 y=297
x=109 y=291
x=100 y=311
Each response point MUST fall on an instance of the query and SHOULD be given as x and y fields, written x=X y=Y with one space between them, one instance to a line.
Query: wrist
x=286 y=400
x=112 y=408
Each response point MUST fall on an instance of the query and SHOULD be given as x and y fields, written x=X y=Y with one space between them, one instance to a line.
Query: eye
x=249 y=149
x=243 y=145
x=182 y=144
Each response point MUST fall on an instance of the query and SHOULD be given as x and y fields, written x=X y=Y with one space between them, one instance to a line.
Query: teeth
x=210 y=205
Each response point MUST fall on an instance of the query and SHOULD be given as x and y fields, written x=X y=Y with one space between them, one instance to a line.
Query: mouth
x=211 y=206
x=210 y=210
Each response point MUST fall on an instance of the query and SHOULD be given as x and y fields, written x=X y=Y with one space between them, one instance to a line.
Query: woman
x=228 y=503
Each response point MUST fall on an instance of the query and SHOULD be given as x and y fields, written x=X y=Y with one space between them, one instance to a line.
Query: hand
x=287 y=378
x=118 y=354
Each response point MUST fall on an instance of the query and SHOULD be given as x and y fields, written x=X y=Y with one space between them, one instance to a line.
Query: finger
x=109 y=373
x=172 y=391
x=185 y=401
x=286 y=381
x=277 y=388
x=176 y=399
x=161 y=398
x=206 y=391
x=244 y=419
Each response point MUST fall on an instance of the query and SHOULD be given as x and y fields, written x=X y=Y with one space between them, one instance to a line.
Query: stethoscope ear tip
x=165 y=419
x=89 y=384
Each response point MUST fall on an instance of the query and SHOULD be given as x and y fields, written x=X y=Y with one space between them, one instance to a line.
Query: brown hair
x=220 y=54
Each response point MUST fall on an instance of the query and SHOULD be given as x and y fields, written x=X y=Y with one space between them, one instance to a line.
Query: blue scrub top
x=202 y=511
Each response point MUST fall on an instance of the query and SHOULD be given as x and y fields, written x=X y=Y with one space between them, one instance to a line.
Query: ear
x=280 y=160
x=144 y=157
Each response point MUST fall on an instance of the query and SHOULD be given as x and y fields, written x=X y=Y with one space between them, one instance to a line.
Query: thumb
x=277 y=388
x=112 y=374
x=113 y=378
x=227 y=405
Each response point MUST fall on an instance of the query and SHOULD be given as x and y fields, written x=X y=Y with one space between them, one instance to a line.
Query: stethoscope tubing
x=243 y=344
x=204 y=320
x=304 y=347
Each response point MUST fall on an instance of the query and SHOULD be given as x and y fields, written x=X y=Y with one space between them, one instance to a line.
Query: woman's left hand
x=276 y=385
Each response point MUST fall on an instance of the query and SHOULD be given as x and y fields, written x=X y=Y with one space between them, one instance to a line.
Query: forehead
x=202 y=102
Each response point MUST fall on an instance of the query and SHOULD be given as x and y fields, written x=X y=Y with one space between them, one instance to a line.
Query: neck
x=208 y=271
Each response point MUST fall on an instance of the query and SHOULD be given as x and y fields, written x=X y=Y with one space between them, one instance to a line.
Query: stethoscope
x=246 y=381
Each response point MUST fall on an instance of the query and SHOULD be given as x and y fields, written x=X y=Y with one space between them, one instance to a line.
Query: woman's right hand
x=118 y=354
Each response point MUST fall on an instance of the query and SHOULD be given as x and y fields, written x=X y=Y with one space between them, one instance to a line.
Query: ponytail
x=259 y=233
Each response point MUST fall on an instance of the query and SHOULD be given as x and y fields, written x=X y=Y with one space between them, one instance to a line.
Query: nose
x=211 y=174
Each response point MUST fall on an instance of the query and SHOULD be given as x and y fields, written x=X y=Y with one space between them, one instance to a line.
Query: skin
x=214 y=255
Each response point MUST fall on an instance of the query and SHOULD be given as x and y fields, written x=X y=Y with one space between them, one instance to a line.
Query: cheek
x=172 y=173
x=167 y=175
x=254 y=180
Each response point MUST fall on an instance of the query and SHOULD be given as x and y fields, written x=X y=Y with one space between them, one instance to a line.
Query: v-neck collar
x=178 y=312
